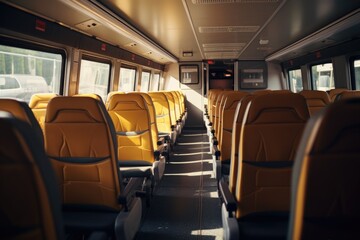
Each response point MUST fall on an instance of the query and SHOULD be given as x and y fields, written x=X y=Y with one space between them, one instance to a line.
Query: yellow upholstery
x=92 y=95
x=235 y=136
x=325 y=183
x=29 y=203
x=219 y=103
x=80 y=142
x=23 y=112
x=213 y=93
x=162 y=111
x=270 y=133
x=177 y=105
x=151 y=108
x=38 y=104
x=109 y=96
x=171 y=102
x=348 y=94
x=131 y=118
x=226 y=124
x=334 y=92
x=316 y=100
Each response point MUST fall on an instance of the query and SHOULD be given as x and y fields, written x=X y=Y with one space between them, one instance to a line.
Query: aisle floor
x=185 y=204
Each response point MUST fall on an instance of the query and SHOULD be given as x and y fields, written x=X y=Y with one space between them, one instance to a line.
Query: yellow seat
x=270 y=134
x=334 y=92
x=38 y=104
x=325 y=182
x=347 y=95
x=163 y=119
x=23 y=112
x=132 y=121
x=81 y=144
x=29 y=202
x=316 y=100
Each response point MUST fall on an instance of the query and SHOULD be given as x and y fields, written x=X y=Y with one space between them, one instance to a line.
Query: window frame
x=127 y=67
x=98 y=60
x=352 y=60
x=327 y=61
x=288 y=77
x=16 y=43
x=141 y=79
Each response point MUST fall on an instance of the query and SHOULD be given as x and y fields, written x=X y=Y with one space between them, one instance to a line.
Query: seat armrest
x=227 y=197
x=129 y=193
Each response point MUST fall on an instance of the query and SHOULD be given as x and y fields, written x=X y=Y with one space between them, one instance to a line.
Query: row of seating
x=81 y=141
x=266 y=130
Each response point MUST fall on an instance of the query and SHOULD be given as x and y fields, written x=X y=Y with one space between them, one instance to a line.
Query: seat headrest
x=232 y=98
x=340 y=126
x=74 y=110
x=278 y=108
x=123 y=102
x=318 y=95
x=348 y=94
x=40 y=100
x=92 y=95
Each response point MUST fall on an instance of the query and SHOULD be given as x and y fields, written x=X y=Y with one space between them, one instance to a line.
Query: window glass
x=162 y=84
x=145 y=79
x=127 y=79
x=94 y=78
x=357 y=73
x=154 y=86
x=295 y=79
x=24 y=72
x=322 y=76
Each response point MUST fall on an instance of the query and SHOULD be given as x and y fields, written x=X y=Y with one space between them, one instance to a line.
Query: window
x=94 y=77
x=127 y=79
x=295 y=80
x=24 y=72
x=322 y=76
x=357 y=73
x=145 y=79
x=162 y=83
x=155 y=82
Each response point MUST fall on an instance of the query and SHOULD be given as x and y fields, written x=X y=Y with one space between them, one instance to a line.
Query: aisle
x=186 y=204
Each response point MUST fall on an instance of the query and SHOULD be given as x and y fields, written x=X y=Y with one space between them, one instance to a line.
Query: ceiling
x=162 y=30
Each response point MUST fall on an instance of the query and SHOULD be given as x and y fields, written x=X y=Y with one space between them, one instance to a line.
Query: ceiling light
x=187 y=54
x=263 y=41
x=104 y=16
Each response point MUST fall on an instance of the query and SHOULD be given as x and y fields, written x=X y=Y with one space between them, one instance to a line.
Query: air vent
x=223 y=47
x=89 y=24
x=228 y=29
x=202 y=2
x=221 y=55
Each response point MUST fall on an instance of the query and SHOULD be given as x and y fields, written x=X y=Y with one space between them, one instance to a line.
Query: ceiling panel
x=208 y=28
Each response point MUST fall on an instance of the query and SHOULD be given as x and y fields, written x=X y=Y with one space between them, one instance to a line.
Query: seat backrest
x=347 y=94
x=219 y=104
x=325 y=183
x=38 y=104
x=109 y=97
x=235 y=136
x=80 y=141
x=92 y=95
x=177 y=105
x=130 y=115
x=22 y=111
x=181 y=101
x=162 y=110
x=152 y=114
x=171 y=101
x=270 y=134
x=212 y=103
x=316 y=100
x=227 y=114
x=334 y=92
x=29 y=202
